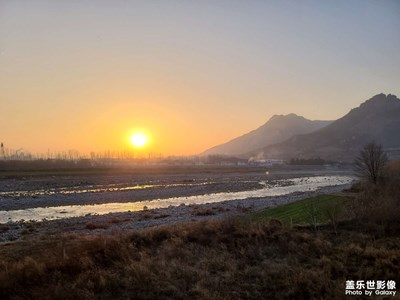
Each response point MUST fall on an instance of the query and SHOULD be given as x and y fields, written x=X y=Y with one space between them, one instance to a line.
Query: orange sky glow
x=190 y=74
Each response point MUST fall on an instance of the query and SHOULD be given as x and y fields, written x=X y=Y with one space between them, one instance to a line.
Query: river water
x=278 y=188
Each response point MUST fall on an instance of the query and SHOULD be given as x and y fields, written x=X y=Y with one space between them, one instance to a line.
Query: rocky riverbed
x=196 y=197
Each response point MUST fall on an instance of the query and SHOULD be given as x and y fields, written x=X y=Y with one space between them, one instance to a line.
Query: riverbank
x=52 y=191
x=137 y=220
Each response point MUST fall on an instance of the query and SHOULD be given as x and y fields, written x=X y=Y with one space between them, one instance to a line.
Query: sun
x=139 y=139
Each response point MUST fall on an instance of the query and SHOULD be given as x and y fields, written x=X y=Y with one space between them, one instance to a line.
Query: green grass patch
x=301 y=212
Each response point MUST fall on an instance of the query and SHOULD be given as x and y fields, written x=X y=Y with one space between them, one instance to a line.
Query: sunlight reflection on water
x=95 y=189
x=285 y=187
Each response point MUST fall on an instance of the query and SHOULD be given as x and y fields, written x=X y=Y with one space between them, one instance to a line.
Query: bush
x=378 y=204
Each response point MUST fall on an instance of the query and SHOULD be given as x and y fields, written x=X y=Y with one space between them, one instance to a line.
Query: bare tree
x=371 y=162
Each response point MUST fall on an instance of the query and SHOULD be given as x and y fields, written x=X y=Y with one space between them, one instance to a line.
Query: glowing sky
x=84 y=74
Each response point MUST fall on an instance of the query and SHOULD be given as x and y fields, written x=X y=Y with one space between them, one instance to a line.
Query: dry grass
x=207 y=260
x=97 y=225
x=200 y=211
x=378 y=205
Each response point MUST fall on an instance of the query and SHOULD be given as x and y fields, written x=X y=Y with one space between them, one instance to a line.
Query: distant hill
x=377 y=119
x=276 y=130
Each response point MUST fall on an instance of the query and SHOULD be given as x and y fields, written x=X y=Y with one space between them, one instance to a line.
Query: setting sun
x=139 y=139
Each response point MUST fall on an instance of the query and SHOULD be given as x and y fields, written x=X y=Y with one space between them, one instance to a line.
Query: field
x=226 y=259
x=302 y=211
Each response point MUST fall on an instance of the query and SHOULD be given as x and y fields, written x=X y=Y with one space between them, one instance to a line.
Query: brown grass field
x=229 y=259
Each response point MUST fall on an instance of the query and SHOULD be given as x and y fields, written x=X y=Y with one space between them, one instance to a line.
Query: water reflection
x=95 y=189
x=281 y=187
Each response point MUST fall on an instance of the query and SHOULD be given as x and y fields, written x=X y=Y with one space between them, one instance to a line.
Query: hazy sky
x=84 y=74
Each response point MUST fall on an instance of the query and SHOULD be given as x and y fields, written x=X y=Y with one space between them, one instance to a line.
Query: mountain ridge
x=277 y=129
x=376 y=119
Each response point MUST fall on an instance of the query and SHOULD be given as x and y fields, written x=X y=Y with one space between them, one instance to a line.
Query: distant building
x=266 y=162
